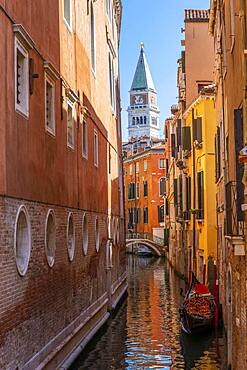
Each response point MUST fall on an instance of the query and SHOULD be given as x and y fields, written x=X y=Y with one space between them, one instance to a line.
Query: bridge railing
x=146 y=236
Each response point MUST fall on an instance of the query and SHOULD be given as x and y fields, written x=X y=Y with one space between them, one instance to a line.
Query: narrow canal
x=145 y=331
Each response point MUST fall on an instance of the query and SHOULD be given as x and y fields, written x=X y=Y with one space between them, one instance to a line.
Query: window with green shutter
x=200 y=195
x=197 y=130
x=186 y=144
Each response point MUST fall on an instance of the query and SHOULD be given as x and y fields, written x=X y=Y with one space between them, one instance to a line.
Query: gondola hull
x=198 y=309
x=192 y=324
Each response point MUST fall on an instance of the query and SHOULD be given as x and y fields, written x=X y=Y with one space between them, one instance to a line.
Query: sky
x=158 y=24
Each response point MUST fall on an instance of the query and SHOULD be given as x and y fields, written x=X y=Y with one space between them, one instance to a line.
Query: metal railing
x=234 y=223
x=146 y=236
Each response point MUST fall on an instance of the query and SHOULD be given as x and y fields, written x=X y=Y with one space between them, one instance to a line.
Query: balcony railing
x=234 y=223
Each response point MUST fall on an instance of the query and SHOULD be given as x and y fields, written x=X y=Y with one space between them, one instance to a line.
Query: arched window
x=145 y=120
x=141 y=120
x=133 y=121
x=70 y=237
x=50 y=238
x=97 y=241
x=162 y=186
x=137 y=120
x=92 y=27
x=85 y=234
x=22 y=240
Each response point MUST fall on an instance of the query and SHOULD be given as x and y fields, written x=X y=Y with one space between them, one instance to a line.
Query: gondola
x=198 y=309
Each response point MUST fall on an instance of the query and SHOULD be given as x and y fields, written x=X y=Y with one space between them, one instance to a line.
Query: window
x=137 y=167
x=179 y=132
x=137 y=216
x=197 y=130
x=131 y=218
x=21 y=79
x=141 y=120
x=67 y=12
x=131 y=169
x=162 y=163
x=137 y=190
x=161 y=216
x=22 y=240
x=92 y=27
x=85 y=234
x=145 y=120
x=145 y=165
x=70 y=237
x=188 y=198
x=154 y=121
x=70 y=125
x=145 y=188
x=84 y=139
x=131 y=191
x=173 y=146
x=133 y=121
x=145 y=215
x=162 y=186
x=50 y=238
x=97 y=241
x=96 y=149
x=49 y=105
x=200 y=195
x=186 y=138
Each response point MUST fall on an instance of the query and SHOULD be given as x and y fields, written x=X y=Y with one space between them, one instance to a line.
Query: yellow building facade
x=200 y=201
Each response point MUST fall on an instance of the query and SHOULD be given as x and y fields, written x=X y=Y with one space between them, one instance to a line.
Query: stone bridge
x=154 y=243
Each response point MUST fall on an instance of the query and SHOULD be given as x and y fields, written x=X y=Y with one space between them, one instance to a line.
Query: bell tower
x=143 y=111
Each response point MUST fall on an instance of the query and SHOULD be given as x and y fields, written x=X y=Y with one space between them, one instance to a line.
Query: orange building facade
x=144 y=181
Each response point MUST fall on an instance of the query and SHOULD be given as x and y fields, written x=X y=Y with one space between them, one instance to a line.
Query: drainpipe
x=194 y=203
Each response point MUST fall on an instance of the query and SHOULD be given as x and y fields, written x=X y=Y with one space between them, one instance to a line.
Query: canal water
x=145 y=331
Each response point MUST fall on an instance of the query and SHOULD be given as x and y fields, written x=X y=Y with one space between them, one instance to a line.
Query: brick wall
x=37 y=307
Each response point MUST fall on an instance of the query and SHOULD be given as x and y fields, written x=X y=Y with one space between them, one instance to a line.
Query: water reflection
x=145 y=333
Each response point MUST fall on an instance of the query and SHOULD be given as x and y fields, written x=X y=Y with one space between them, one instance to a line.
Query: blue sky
x=158 y=24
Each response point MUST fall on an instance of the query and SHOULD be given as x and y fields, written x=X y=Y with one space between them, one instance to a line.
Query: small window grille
x=21 y=79
x=49 y=106
x=96 y=149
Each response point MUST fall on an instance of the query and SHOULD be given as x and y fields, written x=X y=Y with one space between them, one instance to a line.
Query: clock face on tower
x=138 y=99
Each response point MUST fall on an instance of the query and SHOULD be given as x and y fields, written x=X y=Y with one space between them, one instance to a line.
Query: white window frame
x=131 y=169
x=84 y=153
x=145 y=165
x=22 y=271
x=138 y=190
x=96 y=148
x=162 y=159
x=161 y=178
x=71 y=105
x=71 y=252
x=69 y=26
x=52 y=83
x=97 y=234
x=85 y=237
x=50 y=259
x=22 y=107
